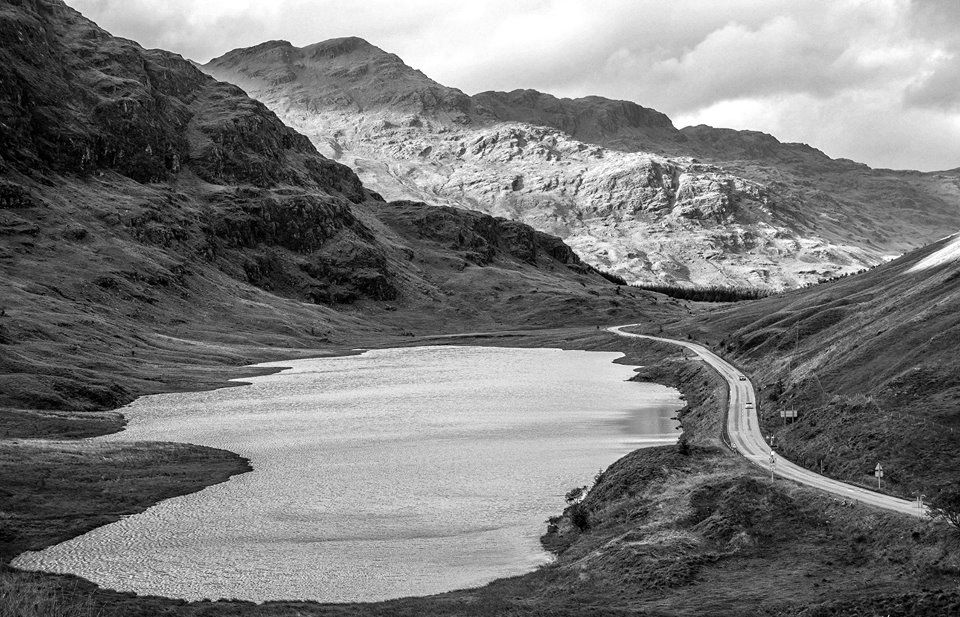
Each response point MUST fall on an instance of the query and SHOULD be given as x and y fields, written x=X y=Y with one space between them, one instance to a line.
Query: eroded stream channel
x=393 y=473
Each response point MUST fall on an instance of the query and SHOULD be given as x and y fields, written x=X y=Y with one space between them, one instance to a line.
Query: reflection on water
x=397 y=472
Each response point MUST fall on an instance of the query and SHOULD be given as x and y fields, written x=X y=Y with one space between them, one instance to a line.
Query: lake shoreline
x=19 y=459
x=374 y=459
x=676 y=582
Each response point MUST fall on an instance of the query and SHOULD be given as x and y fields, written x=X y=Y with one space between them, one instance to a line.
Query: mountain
x=152 y=216
x=159 y=230
x=626 y=189
x=869 y=362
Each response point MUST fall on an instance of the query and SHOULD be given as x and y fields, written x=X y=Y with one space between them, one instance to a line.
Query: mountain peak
x=341 y=73
x=591 y=118
x=341 y=46
x=241 y=54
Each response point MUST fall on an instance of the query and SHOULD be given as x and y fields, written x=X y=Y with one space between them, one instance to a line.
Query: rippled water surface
x=396 y=472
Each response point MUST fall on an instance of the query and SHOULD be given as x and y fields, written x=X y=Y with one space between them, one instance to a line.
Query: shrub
x=579 y=517
x=616 y=279
x=575 y=494
x=946 y=505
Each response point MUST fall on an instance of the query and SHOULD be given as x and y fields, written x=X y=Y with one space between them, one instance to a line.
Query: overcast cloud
x=876 y=81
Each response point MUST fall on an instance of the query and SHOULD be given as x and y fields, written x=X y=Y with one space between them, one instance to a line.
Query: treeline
x=837 y=277
x=616 y=279
x=707 y=293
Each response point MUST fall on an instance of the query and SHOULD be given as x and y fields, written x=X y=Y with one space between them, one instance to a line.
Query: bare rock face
x=618 y=182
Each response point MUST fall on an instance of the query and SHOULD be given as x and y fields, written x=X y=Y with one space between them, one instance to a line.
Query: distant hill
x=628 y=190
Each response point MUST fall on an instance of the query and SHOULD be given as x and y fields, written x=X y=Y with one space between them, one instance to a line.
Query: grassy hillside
x=869 y=361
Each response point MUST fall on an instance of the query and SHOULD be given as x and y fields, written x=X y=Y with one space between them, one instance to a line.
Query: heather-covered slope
x=617 y=181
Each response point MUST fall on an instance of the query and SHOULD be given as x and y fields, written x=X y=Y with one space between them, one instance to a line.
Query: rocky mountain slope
x=150 y=216
x=618 y=182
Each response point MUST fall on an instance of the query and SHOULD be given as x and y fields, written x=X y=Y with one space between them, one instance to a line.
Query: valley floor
x=662 y=533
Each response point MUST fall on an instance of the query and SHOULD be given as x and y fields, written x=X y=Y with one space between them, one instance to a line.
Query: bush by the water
x=709 y=293
x=579 y=517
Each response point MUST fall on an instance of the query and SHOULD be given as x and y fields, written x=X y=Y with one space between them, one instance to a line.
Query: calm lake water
x=393 y=473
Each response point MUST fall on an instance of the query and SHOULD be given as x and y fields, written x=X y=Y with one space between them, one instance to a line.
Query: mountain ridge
x=630 y=192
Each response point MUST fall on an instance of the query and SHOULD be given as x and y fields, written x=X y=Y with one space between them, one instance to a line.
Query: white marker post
x=878 y=471
x=773 y=463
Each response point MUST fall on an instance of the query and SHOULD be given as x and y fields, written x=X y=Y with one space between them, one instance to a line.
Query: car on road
x=743 y=377
x=749 y=404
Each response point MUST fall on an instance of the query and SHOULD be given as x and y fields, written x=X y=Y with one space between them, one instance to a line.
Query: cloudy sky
x=877 y=81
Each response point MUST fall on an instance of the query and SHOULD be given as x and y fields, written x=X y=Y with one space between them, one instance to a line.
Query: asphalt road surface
x=743 y=431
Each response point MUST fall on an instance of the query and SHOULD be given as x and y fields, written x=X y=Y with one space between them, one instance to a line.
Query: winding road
x=743 y=430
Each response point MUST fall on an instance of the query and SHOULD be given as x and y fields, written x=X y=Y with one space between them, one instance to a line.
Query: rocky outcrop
x=590 y=119
x=13 y=196
x=479 y=238
x=300 y=223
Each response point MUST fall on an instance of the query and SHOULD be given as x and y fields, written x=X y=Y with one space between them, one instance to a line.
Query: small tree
x=579 y=517
x=946 y=505
x=575 y=494
x=683 y=444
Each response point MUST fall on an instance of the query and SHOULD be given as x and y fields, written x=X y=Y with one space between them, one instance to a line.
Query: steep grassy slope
x=617 y=181
x=870 y=363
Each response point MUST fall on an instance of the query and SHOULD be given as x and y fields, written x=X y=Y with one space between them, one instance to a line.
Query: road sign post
x=788 y=413
x=773 y=463
x=878 y=471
